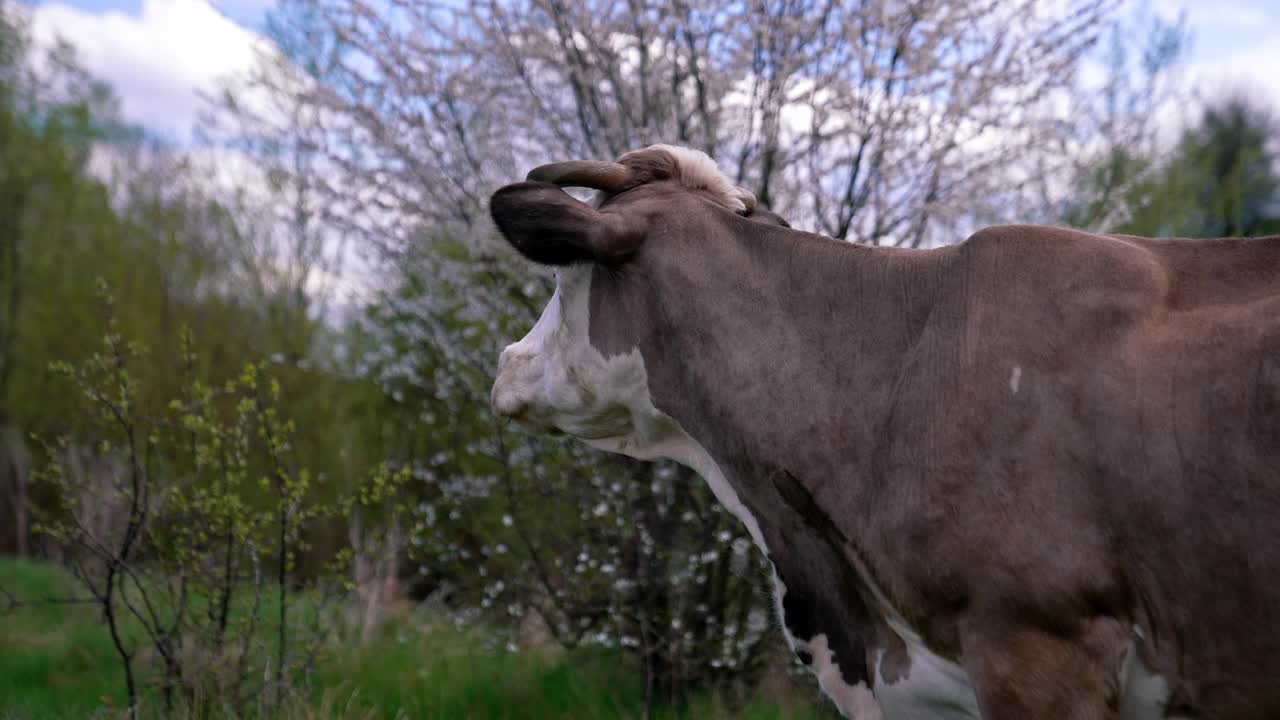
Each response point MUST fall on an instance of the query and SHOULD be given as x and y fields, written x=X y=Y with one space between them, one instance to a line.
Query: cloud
x=1218 y=14
x=1233 y=48
x=158 y=61
x=1247 y=71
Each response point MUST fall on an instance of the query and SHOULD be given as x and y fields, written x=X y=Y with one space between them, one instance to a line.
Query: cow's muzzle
x=510 y=395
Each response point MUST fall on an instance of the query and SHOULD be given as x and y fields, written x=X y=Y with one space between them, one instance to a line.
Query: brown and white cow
x=1032 y=475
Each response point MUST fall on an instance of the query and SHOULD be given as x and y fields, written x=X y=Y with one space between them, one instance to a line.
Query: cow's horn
x=610 y=177
x=748 y=199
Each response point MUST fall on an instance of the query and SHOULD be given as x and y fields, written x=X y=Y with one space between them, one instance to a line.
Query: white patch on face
x=853 y=701
x=554 y=378
x=1015 y=378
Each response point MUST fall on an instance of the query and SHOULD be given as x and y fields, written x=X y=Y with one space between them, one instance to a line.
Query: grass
x=57 y=661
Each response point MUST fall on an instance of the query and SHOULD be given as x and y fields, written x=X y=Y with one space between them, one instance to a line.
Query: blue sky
x=158 y=53
x=248 y=13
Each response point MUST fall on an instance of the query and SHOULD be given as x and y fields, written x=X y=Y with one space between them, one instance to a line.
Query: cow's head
x=581 y=370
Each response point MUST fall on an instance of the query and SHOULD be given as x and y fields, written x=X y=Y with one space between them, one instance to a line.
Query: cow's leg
x=1021 y=671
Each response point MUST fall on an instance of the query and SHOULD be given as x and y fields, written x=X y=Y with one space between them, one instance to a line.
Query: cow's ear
x=549 y=226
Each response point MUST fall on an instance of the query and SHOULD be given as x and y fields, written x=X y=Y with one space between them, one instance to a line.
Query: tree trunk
x=13 y=452
x=20 y=513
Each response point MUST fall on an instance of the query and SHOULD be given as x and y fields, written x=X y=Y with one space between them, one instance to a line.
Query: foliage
x=89 y=199
x=60 y=663
x=881 y=123
x=1119 y=123
x=48 y=122
x=178 y=252
x=546 y=538
x=1216 y=178
x=1220 y=179
x=210 y=511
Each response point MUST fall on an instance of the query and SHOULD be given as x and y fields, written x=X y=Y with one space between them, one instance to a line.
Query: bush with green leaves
x=184 y=519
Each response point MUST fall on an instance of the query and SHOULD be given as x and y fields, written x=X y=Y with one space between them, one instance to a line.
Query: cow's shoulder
x=1031 y=245
x=1173 y=273
x=1219 y=273
x=1029 y=278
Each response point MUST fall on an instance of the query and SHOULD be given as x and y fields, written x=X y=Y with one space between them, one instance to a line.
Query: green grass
x=57 y=661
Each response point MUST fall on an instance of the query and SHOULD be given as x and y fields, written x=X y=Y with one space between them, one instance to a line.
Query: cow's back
x=1141 y=382
x=1218 y=272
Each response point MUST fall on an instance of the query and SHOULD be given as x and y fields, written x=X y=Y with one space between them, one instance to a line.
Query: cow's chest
x=927 y=686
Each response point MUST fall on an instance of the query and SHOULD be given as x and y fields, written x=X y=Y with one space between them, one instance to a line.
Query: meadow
x=57 y=662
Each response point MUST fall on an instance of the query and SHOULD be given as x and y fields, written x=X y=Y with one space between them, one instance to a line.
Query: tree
x=48 y=122
x=175 y=248
x=862 y=121
x=293 y=259
x=1220 y=179
x=207 y=509
x=883 y=123
x=1119 y=120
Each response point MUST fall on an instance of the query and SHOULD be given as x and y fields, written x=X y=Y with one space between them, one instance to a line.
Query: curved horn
x=610 y=177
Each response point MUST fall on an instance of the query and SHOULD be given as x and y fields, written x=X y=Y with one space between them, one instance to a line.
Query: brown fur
x=862 y=402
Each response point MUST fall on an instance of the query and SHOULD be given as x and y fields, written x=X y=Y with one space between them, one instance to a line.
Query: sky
x=157 y=54
x=1234 y=44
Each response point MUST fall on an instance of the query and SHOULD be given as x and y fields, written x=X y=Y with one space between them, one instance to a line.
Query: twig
x=11 y=603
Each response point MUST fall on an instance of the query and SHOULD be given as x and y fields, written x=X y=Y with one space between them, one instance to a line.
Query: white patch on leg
x=853 y=701
x=1015 y=379
x=1143 y=694
x=933 y=686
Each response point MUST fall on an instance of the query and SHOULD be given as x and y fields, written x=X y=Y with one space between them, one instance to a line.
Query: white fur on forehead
x=697 y=171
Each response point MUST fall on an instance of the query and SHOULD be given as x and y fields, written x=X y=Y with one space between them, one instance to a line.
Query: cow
x=1034 y=474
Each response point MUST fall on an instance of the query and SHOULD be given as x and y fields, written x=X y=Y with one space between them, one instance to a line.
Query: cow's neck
x=778 y=358
x=782 y=360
